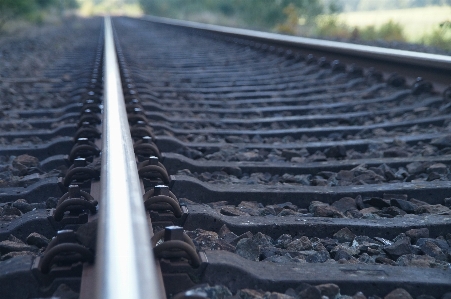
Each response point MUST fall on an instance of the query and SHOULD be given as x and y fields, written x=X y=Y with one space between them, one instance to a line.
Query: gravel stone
x=327 y=211
x=431 y=249
x=344 y=235
x=330 y=290
x=10 y=246
x=215 y=292
x=417 y=233
x=398 y=294
x=310 y=293
x=318 y=257
x=37 y=240
x=376 y=202
x=345 y=204
x=22 y=205
x=300 y=244
x=399 y=247
x=403 y=205
x=413 y=260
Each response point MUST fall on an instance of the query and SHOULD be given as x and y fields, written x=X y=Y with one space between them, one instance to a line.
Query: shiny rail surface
x=125 y=264
x=433 y=67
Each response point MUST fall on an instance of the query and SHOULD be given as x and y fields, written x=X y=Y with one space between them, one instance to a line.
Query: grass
x=416 y=22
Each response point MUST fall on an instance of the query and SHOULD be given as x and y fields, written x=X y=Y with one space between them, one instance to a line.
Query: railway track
x=266 y=169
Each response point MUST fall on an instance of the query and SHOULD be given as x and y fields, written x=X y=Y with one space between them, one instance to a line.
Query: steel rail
x=125 y=265
x=433 y=67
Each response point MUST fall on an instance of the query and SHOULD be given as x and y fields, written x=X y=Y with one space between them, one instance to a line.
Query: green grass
x=416 y=22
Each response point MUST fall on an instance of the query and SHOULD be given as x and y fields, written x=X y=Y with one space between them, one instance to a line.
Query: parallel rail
x=432 y=67
x=125 y=265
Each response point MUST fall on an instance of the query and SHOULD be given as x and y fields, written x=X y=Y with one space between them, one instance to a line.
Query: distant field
x=416 y=21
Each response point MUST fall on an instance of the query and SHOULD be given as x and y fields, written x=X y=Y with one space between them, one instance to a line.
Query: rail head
x=433 y=67
x=125 y=265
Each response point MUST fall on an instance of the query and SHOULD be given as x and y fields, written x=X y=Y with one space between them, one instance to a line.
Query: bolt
x=66 y=236
x=153 y=160
x=80 y=162
x=173 y=233
x=161 y=190
x=74 y=191
x=82 y=141
x=147 y=139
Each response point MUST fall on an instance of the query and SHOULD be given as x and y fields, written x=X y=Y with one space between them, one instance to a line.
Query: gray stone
x=431 y=249
x=317 y=257
x=359 y=295
x=344 y=204
x=280 y=259
x=283 y=241
x=314 y=204
x=341 y=254
x=327 y=211
x=417 y=233
x=247 y=234
x=398 y=294
x=275 y=295
x=438 y=168
x=233 y=170
x=329 y=289
x=376 y=202
x=338 y=151
x=22 y=205
x=425 y=297
x=249 y=248
x=300 y=244
x=354 y=214
x=12 y=254
x=250 y=294
x=10 y=246
x=310 y=293
x=9 y=210
x=232 y=211
x=384 y=260
x=216 y=292
x=413 y=260
x=433 y=209
x=37 y=240
x=433 y=176
x=416 y=167
x=359 y=202
x=399 y=247
x=345 y=175
x=344 y=235
x=392 y=211
x=403 y=205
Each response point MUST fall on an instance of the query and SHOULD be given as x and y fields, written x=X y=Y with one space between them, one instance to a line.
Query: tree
x=264 y=14
x=13 y=8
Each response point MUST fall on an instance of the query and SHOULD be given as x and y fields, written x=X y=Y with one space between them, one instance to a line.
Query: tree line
x=31 y=9
x=261 y=14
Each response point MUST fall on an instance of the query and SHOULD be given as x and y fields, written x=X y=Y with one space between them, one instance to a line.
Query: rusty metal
x=86 y=130
x=64 y=250
x=140 y=129
x=75 y=206
x=83 y=149
x=163 y=202
x=146 y=147
x=154 y=172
